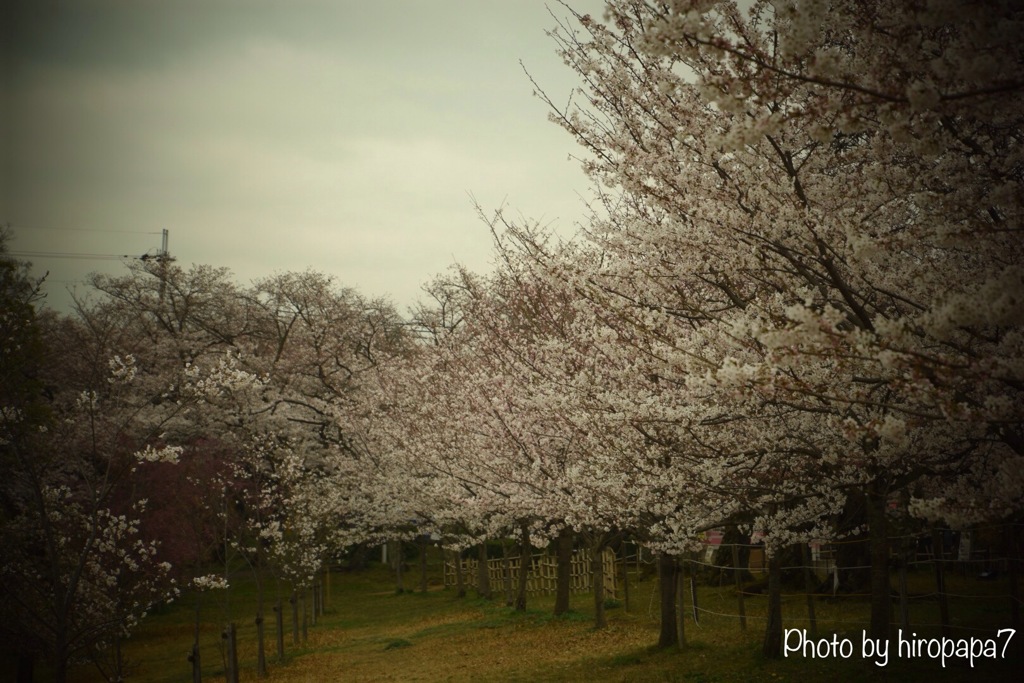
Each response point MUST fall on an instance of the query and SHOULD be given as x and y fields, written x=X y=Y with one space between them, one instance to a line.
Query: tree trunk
x=939 y=556
x=563 y=575
x=506 y=575
x=118 y=658
x=680 y=603
x=737 y=574
x=26 y=668
x=904 y=597
x=460 y=579
x=773 y=631
x=730 y=558
x=261 y=652
x=667 y=584
x=483 y=574
x=305 y=617
x=231 y=637
x=853 y=554
x=294 y=600
x=279 y=622
x=693 y=592
x=597 y=578
x=423 y=564
x=61 y=654
x=194 y=660
x=881 y=590
x=1011 y=564
x=524 y=569
x=197 y=676
x=261 y=655
x=624 y=568
x=314 y=596
x=810 y=586
x=399 y=584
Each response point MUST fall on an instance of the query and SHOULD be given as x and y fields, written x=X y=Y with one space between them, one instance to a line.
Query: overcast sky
x=345 y=136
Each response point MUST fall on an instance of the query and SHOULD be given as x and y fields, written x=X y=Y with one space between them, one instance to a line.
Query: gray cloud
x=343 y=136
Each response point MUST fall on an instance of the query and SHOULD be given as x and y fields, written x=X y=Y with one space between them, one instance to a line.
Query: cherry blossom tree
x=277 y=410
x=77 y=574
x=791 y=185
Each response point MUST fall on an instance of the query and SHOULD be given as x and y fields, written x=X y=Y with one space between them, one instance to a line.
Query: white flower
x=210 y=582
x=169 y=454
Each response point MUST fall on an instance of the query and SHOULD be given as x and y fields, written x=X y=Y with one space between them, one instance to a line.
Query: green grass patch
x=370 y=633
x=396 y=643
x=626 y=659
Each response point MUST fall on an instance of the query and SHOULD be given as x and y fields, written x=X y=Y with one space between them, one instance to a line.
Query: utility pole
x=163 y=257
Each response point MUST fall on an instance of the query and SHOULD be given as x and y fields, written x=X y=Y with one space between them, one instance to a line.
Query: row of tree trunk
x=676 y=573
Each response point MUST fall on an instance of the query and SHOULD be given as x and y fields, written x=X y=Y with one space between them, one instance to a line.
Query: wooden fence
x=542 y=573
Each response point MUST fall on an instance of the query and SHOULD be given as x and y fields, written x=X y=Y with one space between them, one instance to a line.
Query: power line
x=70 y=255
x=161 y=255
x=123 y=232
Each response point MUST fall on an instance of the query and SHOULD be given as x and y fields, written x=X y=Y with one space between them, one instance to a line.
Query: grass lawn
x=370 y=633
